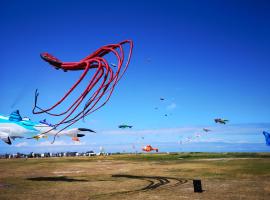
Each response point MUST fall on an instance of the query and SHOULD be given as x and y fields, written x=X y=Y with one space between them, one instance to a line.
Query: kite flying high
x=206 y=129
x=124 y=126
x=100 y=86
x=221 y=121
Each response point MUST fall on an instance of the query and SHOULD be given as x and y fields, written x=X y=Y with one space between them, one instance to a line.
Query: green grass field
x=152 y=176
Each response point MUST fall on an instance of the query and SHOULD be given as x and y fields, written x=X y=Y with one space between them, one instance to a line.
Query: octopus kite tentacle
x=105 y=76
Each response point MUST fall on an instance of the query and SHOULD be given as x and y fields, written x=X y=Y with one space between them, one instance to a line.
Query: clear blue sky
x=207 y=59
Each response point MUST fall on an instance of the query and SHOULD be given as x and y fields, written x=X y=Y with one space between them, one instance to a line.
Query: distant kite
x=124 y=126
x=267 y=138
x=221 y=121
x=206 y=129
x=114 y=65
x=161 y=99
x=149 y=148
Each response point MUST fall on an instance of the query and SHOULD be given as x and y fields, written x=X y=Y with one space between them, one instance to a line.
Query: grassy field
x=142 y=176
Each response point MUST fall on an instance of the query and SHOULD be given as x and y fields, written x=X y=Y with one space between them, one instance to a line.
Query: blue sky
x=207 y=59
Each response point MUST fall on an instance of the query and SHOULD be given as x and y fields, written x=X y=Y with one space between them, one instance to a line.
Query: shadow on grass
x=56 y=178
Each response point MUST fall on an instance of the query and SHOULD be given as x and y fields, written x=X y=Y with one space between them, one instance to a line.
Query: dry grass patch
x=134 y=178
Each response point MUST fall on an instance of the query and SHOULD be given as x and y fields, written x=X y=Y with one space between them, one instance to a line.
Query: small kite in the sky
x=206 y=129
x=124 y=126
x=267 y=137
x=221 y=121
x=114 y=65
x=149 y=148
x=161 y=99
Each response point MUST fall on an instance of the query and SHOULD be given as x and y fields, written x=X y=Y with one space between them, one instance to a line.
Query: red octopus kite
x=100 y=86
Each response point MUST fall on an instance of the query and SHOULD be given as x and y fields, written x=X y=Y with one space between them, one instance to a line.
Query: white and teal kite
x=14 y=126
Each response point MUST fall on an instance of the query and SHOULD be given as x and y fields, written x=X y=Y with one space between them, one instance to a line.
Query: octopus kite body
x=149 y=148
x=100 y=86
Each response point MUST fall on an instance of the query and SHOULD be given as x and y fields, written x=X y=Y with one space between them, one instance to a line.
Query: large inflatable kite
x=100 y=86
x=14 y=127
